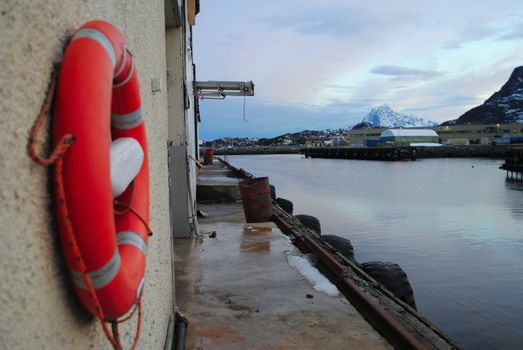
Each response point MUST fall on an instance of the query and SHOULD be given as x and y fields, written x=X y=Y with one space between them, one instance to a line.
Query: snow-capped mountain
x=504 y=106
x=384 y=116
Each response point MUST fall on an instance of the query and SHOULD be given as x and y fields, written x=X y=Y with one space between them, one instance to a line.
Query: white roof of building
x=408 y=132
x=425 y=144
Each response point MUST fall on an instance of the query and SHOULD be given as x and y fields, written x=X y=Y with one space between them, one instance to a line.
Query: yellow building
x=473 y=133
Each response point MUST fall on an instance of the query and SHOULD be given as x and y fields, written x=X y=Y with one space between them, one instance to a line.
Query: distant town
x=498 y=121
x=473 y=134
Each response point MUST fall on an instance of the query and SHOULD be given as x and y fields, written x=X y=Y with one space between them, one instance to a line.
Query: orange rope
x=64 y=212
x=64 y=143
x=127 y=207
x=138 y=323
x=56 y=158
x=131 y=314
x=114 y=324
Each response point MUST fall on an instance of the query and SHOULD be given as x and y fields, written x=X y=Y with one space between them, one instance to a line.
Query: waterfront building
x=478 y=133
x=452 y=134
x=408 y=136
x=320 y=142
x=338 y=141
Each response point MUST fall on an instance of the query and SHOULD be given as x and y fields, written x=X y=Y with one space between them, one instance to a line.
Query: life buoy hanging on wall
x=98 y=101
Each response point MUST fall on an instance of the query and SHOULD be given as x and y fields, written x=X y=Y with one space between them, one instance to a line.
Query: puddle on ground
x=256 y=238
x=226 y=300
x=256 y=230
x=203 y=335
x=256 y=246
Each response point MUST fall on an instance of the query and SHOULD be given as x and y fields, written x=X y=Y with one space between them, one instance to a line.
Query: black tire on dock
x=285 y=204
x=310 y=222
x=273 y=192
x=343 y=245
x=393 y=278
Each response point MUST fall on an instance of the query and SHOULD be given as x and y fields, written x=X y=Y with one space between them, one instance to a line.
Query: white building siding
x=408 y=132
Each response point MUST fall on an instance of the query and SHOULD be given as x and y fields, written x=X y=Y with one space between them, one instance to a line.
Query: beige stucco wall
x=38 y=308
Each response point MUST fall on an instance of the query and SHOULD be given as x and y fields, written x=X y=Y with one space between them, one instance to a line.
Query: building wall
x=181 y=130
x=190 y=126
x=474 y=133
x=179 y=192
x=38 y=307
x=409 y=139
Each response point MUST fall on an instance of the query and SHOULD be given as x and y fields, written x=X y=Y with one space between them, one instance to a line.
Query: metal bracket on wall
x=220 y=89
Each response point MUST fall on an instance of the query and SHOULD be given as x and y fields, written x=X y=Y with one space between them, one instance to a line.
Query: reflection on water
x=452 y=224
x=514 y=185
x=515 y=197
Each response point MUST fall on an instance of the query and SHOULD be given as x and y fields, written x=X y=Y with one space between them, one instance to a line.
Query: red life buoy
x=98 y=100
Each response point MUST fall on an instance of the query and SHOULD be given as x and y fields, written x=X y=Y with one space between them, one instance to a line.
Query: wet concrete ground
x=238 y=291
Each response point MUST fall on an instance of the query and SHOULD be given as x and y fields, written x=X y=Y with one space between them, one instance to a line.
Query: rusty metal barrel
x=256 y=199
x=208 y=156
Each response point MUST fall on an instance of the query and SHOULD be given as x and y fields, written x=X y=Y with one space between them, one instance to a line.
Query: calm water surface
x=454 y=225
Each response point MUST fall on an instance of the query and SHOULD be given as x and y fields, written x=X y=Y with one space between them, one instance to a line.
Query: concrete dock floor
x=216 y=183
x=238 y=291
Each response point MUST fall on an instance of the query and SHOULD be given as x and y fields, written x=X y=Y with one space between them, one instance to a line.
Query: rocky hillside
x=299 y=138
x=384 y=116
x=504 y=106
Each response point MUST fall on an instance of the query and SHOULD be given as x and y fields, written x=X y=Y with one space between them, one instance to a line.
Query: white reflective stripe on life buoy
x=122 y=65
x=132 y=238
x=127 y=121
x=127 y=78
x=101 y=277
x=99 y=37
x=139 y=291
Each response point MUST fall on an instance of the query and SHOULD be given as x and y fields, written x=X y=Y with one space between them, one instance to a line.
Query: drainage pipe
x=180 y=327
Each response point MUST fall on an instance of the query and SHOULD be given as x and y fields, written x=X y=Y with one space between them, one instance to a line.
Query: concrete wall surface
x=182 y=128
x=191 y=126
x=38 y=308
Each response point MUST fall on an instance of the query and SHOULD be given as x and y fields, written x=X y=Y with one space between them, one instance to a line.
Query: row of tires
x=390 y=275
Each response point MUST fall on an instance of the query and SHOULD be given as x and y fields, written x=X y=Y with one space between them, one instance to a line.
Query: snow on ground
x=319 y=282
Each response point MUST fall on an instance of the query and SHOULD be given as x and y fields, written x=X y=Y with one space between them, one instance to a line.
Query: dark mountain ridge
x=504 y=106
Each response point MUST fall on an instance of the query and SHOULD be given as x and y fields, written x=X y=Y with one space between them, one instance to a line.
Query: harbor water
x=454 y=225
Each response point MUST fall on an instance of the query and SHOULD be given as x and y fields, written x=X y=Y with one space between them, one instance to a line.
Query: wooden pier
x=392 y=153
x=364 y=153
x=514 y=163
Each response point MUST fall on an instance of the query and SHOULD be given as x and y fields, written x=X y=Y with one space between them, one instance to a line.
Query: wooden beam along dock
x=364 y=153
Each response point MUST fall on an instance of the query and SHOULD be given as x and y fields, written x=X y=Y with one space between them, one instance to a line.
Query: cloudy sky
x=325 y=64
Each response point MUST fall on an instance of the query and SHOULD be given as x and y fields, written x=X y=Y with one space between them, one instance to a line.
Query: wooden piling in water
x=514 y=163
